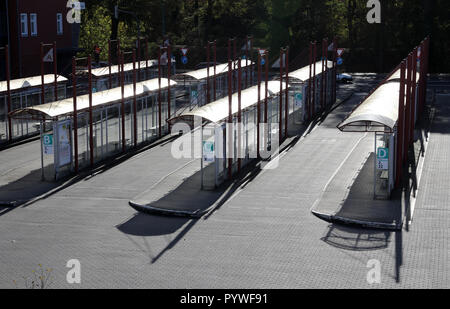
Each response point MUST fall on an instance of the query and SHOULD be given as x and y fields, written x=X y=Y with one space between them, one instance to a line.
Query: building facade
x=24 y=24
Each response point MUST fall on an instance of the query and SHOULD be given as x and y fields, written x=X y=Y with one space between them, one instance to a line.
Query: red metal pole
x=408 y=106
x=118 y=52
x=268 y=130
x=422 y=79
x=8 y=87
x=109 y=63
x=169 y=74
x=134 y=99
x=413 y=98
x=230 y=112
x=258 y=132
x=139 y=59
x=234 y=63
x=286 y=109
x=42 y=75
x=208 y=61
x=325 y=59
x=280 y=130
x=427 y=61
x=239 y=116
x=266 y=101
x=215 y=71
x=314 y=79
x=334 y=70
x=310 y=81
x=246 y=63
x=251 y=69
x=322 y=75
x=401 y=124
x=159 y=93
x=146 y=58
x=122 y=84
x=55 y=68
x=91 y=127
x=75 y=111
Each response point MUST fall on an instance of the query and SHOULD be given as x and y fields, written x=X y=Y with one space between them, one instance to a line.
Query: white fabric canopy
x=220 y=69
x=380 y=109
x=219 y=110
x=102 y=72
x=303 y=73
x=65 y=107
x=27 y=82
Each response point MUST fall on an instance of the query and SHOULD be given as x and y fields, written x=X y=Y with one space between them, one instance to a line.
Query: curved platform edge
x=359 y=223
x=147 y=209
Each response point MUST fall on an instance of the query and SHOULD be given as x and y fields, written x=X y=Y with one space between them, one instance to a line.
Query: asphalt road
x=264 y=236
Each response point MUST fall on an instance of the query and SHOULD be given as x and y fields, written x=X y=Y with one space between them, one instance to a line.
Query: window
x=33 y=24
x=24 y=24
x=59 y=24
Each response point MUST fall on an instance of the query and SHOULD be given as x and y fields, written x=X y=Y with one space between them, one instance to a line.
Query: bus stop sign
x=383 y=158
x=48 y=144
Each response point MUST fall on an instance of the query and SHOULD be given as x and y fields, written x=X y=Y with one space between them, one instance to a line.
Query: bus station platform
x=349 y=197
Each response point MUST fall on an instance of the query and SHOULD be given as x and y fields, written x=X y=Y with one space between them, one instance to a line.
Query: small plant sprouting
x=41 y=278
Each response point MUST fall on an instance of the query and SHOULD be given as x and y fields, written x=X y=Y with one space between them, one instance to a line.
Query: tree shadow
x=158 y=222
x=357 y=239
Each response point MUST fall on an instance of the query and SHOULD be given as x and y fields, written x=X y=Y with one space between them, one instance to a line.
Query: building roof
x=65 y=107
x=219 y=110
x=29 y=82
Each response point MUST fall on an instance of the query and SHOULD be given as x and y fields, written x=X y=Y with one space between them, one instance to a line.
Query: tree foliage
x=276 y=23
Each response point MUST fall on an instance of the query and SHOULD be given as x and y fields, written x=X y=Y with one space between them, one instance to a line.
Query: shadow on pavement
x=24 y=189
x=144 y=225
x=360 y=204
x=181 y=195
x=189 y=197
x=356 y=239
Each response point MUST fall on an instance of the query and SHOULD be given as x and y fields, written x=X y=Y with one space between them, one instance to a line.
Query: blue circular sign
x=263 y=61
x=340 y=61
x=184 y=60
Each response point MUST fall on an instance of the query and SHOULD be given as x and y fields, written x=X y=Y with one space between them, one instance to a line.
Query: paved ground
x=264 y=236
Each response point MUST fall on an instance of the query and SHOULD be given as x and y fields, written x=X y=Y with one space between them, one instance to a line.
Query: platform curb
x=166 y=212
x=359 y=223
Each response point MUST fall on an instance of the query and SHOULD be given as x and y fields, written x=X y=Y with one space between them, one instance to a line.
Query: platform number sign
x=48 y=144
x=383 y=159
